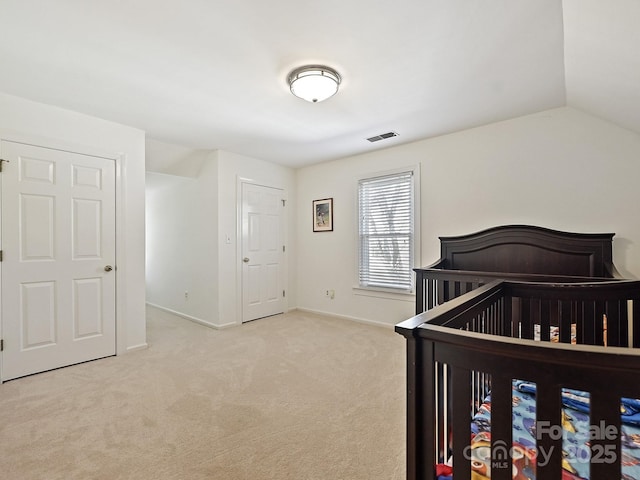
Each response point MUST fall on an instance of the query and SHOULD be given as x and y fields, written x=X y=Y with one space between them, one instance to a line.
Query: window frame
x=379 y=291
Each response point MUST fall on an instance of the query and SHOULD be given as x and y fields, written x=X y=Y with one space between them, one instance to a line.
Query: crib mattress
x=576 y=425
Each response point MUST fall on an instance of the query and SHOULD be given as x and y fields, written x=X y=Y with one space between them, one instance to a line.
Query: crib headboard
x=524 y=249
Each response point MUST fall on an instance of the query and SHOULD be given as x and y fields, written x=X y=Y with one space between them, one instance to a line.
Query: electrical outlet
x=330 y=294
x=186 y=295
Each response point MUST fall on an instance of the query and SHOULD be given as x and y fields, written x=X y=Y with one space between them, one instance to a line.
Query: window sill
x=388 y=293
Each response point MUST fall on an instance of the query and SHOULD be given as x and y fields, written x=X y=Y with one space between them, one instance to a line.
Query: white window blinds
x=386 y=231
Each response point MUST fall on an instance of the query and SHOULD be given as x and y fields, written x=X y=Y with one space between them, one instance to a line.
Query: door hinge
x=2 y=160
x=283 y=249
x=283 y=294
x=284 y=202
x=2 y=345
x=0 y=255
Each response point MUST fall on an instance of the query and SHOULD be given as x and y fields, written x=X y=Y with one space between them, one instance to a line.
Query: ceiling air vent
x=382 y=136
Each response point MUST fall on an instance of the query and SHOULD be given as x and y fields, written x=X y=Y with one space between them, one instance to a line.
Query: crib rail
x=436 y=284
x=487 y=337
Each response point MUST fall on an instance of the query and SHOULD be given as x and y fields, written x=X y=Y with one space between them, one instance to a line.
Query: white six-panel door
x=58 y=270
x=262 y=250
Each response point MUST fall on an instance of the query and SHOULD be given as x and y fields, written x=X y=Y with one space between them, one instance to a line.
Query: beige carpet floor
x=294 y=396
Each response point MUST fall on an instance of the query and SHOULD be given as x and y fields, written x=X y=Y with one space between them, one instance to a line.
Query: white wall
x=179 y=254
x=189 y=220
x=560 y=169
x=23 y=119
x=182 y=218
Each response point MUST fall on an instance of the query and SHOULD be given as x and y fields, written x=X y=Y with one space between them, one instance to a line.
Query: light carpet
x=294 y=396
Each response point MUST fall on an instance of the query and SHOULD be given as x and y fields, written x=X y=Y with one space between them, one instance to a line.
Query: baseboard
x=344 y=317
x=199 y=321
x=191 y=318
x=135 y=348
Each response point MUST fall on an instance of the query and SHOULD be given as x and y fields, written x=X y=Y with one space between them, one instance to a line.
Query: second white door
x=263 y=252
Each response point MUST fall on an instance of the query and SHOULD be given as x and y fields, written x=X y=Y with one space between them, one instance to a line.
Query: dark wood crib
x=478 y=330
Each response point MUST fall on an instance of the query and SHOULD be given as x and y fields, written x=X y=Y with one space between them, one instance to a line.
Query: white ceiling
x=211 y=74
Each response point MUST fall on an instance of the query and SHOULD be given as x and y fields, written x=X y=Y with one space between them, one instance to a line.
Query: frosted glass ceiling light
x=314 y=83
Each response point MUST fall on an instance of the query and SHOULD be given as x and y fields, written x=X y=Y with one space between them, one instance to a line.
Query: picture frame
x=323 y=215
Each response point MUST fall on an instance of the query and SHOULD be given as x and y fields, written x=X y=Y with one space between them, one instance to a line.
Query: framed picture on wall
x=323 y=215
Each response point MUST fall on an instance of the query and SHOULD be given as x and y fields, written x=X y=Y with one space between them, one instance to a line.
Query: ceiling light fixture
x=314 y=83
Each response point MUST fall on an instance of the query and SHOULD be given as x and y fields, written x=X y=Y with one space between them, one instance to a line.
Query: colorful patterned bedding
x=575 y=435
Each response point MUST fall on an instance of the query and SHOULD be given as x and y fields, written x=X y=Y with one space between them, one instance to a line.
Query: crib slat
x=507 y=312
x=515 y=314
x=588 y=323
x=499 y=318
x=456 y=289
x=613 y=324
x=443 y=410
x=504 y=327
x=548 y=414
x=599 y=323
x=443 y=291
x=554 y=313
x=578 y=314
x=565 y=322
x=526 y=325
x=636 y=323
x=544 y=320
x=501 y=433
x=495 y=319
x=491 y=320
x=606 y=454
x=535 y=311
x=452 y=289
x=461 y=379
x=623 y=325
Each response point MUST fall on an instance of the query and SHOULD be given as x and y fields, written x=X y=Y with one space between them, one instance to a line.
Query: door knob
x=245 y=259
x=108 y=268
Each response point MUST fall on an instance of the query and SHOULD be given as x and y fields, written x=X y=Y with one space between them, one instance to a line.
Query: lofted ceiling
x=211 y=74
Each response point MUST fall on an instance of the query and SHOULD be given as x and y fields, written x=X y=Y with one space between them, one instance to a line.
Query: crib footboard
x=484 y=343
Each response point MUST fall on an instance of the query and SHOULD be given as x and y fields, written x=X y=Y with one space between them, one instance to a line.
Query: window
x=386 y=210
